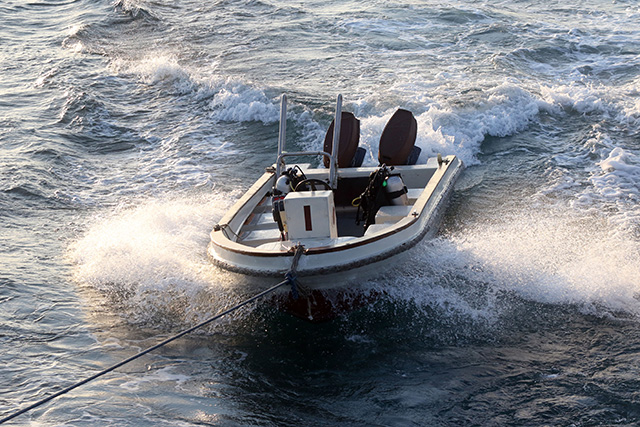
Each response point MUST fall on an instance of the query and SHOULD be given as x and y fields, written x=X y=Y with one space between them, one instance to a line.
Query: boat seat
x=349 y=154
x=392 y=213
x=397 y=142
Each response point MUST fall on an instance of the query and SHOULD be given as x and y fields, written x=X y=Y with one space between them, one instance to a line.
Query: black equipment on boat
x=384 y=188
x=349 y=154
x=395 y=190
x=397 y=142
x=312 y=183
x=372 y=197
x=288 y=181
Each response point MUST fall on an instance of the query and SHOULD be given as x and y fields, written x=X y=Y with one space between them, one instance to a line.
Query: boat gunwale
x=331 y=269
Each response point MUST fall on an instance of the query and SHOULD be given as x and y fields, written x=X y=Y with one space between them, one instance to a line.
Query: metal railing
x=333 y=156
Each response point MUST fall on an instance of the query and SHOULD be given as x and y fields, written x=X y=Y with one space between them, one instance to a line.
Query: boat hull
x=330 y=270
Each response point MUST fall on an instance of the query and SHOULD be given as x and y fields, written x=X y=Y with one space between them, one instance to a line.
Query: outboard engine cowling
x=349 y=154
x=398 y=139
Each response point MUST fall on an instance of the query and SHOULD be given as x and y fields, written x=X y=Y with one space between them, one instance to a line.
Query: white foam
x=609 y=159
x=156 y=377
x=157 y=68
x=601 y=178
x=437 y=277
x=231 y=99
x=579 y=97
x=236 y=101
x=551 y=256
x=554 y=257
x=151 y=259
x=629 y=114
x=501 y=111
x=620 y=103
x=443 y=126
x=134 y=7
x=621 y=161
x=617 y=183
x=72 y=41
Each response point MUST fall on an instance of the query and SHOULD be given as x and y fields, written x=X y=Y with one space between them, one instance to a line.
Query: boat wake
x=149 y=265
x=549 y=258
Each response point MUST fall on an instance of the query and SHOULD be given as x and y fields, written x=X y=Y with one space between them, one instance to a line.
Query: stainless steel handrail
x=333 y=167
x=282 y=136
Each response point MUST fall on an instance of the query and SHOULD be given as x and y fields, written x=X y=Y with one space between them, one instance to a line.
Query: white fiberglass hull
x=329 y=262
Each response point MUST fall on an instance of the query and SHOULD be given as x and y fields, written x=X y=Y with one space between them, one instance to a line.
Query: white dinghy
x=337 y=221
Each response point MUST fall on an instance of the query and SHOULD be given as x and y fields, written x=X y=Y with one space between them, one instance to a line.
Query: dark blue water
x=127 y=129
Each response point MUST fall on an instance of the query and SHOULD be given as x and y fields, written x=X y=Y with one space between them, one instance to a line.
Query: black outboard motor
x=349 y=154
x=397 y=142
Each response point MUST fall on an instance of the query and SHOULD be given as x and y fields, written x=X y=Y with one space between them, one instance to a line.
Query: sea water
x=127 y=128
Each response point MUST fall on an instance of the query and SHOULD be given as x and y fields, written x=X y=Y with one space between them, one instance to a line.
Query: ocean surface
x=128 y=127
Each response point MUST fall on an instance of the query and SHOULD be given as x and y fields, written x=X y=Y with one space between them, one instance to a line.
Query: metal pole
x=333 y=167
x=282 y=137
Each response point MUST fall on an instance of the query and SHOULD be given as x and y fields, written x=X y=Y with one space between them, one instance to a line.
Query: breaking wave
x=227 y=98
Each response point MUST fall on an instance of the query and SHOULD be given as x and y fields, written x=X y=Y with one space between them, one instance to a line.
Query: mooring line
x=290 y=280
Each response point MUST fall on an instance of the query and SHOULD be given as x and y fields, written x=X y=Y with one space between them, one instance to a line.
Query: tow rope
x=292 y=274
x=290 y=279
